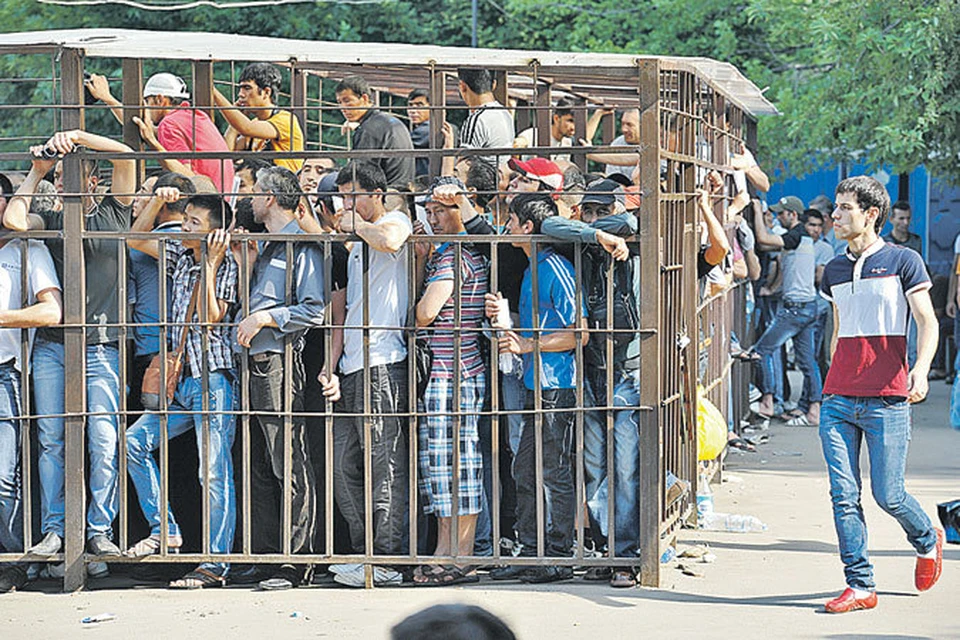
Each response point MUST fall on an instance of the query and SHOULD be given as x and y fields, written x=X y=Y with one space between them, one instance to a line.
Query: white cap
x=165 y=84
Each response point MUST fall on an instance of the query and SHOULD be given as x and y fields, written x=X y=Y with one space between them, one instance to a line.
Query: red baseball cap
x=546 y=171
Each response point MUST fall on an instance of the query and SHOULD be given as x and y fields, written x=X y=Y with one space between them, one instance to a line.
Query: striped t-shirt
x=474 y=283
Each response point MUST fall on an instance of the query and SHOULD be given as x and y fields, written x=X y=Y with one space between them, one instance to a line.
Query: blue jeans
x=514 y=399
x=955 y=395
x=626 y=466
x=819 y=327
x=11 y=505
x=103 y=397
x=793 y=320
x=143 y=438
x=845 y=422
x=768 y=307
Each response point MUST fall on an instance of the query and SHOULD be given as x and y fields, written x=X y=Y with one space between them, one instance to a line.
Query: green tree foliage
x=855 y=79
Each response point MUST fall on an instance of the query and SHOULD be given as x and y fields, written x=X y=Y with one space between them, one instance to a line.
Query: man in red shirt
x=874 y=287
x=170 y=124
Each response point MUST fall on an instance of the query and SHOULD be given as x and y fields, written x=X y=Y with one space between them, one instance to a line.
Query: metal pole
x=473 y=37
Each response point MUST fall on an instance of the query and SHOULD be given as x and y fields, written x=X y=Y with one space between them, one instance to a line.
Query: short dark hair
x=218 y=210
x=811 y=213
x=564 y=107
x=418 y=93
x=482 y=176
x=368 y=175
x=181 y=182
x=253 y=165
x=357 y=84
x=265 y=75
x=901 y=205
x=478 y=80
x=533 y=207
x=869 y=193
x=283 y=184
x=452 y=622
x=6 y=187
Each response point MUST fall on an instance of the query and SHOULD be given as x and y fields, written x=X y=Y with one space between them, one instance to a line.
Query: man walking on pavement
x=868 y=388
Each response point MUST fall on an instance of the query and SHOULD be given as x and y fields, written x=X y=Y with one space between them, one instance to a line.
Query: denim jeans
x=768 y=306
x=11 y=496
x=884 y=423
x=793 y=320
x=389 y=464
x=558 y=476
x=626 y=466
x=819 y=327
x=103 y=397
x=268 y=382
x=955 y=395
x=514 y=399
x=143 y=438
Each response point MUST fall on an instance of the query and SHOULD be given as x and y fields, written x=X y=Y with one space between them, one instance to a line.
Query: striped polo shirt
x=474 y=283
x=870 y=294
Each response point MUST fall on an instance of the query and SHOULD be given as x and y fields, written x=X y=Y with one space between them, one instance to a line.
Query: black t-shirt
x=378 y=130
x=102 y=266
x=314 y=351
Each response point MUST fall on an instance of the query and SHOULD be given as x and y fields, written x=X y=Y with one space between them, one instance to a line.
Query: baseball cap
x=165 y=84
x=441 y=181
x=788 y=203
x=603 y=192
x=546 y=171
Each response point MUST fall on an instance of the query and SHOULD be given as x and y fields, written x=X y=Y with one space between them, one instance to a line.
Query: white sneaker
x=98 y=570
x=343 y=568
x=382 y=576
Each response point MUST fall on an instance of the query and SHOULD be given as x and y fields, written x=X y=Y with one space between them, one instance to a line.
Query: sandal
x=447 y=575
x=623 y=579
x=151 y=545
x=742 y=445
x=199 y=578
x=801 y=421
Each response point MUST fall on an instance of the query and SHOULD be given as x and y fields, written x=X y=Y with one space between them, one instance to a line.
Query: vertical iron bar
x=74 y=339
x=650 y=277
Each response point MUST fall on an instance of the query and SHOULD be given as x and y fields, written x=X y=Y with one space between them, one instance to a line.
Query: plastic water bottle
x=704 y=498
x=509 y=362
x=731 y=522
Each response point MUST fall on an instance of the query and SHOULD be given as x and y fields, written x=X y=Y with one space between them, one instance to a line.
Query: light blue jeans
x=514 y=399
x=103 y=398
x=884 y=423
x=11 y=500
x=793 y=320
x=955 y=396
x=626 y=466
x=143 y=438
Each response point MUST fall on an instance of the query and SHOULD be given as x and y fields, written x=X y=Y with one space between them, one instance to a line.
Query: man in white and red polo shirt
x=873 y=287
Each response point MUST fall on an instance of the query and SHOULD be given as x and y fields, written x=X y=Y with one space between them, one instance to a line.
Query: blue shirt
x=143 y=292
x=559 y=306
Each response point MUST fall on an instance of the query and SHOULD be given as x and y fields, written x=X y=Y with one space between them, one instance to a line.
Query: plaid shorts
x=435 y=454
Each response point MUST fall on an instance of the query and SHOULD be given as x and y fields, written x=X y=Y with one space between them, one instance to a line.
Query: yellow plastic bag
x=711 y=428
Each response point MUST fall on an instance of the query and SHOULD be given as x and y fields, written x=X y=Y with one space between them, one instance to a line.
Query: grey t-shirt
x=102 y=264
x=799 y=261
x=490 y=126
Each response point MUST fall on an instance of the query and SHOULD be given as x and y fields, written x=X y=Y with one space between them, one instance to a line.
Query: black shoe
x=245 y=574
x=287 y=576
x=12 y=579
x=509 y=572
x=543 y=575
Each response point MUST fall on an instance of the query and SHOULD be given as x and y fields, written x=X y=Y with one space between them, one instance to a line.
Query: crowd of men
x=234 y=303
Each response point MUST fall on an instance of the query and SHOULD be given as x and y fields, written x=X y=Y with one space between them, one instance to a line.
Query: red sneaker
x=848 y=601
x=928 y=569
